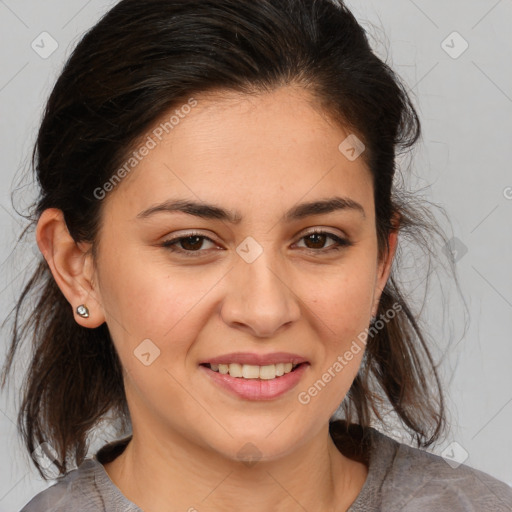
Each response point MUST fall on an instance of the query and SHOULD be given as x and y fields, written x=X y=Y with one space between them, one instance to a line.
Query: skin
x=259 y=155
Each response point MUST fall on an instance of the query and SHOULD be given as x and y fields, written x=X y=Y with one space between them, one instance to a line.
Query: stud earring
x=82 y=311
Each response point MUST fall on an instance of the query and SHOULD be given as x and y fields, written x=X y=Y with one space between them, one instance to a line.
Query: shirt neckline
x=366 y=445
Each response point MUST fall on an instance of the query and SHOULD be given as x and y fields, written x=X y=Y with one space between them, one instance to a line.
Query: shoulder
x=408 y=479
x=77 y=490
x=415 y=479
x=87 y=488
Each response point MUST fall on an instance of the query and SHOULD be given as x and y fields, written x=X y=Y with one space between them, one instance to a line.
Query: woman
x=219 y=222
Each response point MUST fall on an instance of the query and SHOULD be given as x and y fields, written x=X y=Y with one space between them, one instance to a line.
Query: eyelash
x=341 y=243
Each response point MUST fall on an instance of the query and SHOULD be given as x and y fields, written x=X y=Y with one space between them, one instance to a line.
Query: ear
x=384 y=266
x=71 y=265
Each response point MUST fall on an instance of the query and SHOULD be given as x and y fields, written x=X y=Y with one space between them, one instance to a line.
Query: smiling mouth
x=249 y=371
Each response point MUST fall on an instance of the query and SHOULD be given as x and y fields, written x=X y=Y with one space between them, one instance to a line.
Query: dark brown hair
x=137 y=62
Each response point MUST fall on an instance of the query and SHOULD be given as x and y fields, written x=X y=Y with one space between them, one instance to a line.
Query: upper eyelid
x=326 y=231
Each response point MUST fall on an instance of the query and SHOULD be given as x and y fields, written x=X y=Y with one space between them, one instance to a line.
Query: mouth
x=253 y=382
x=250 y=371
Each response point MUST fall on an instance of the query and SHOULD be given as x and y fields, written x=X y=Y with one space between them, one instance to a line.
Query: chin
x=258 y=447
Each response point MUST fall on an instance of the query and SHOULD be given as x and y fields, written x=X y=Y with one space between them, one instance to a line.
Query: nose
x=260 y=299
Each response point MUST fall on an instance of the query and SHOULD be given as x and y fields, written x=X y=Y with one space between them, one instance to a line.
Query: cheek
x=340 y=309
x=135 y=292
x=342 y=299
x=144 y=300
x=151 y=314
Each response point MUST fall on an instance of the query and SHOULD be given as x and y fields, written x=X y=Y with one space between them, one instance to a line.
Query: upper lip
x=256 y=359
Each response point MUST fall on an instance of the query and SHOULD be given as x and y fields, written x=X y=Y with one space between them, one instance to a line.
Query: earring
x=82 y=311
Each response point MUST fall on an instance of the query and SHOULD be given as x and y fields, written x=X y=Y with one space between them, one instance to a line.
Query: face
x=184 y=291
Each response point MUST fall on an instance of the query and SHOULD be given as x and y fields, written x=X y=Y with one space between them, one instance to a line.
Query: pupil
x=185 y=242
x=318 y=235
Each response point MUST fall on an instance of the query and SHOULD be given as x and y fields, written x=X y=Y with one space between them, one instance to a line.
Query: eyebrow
x=210 y=211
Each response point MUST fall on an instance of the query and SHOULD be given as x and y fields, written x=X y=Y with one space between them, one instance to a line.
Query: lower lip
x=257 y=389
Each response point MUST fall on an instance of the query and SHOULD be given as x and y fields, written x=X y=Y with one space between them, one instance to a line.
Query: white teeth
x=267 y=372
x=235 y=370
x=250 y=371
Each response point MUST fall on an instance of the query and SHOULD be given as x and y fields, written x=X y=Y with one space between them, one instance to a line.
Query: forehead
x=253 y=150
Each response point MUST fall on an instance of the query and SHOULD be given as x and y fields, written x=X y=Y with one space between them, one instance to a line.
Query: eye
x=190 y=243
x=318 y=238
x=193 y=242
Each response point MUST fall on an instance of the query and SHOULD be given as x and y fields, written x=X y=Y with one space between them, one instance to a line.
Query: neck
x=315 y=477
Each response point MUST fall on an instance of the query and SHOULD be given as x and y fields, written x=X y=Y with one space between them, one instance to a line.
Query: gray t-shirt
x=400 y=479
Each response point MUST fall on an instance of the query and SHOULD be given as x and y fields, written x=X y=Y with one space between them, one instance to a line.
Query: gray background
x=462 y=163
